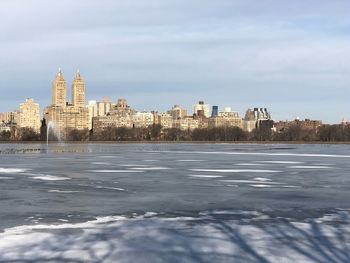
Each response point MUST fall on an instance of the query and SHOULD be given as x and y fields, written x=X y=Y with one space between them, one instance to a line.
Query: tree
x=78 y=135
x=5 y=136
x=261 y=134
x=28 y=134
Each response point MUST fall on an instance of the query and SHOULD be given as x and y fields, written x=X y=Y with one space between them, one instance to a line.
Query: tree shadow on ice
x=209 y=240
x=313 y=242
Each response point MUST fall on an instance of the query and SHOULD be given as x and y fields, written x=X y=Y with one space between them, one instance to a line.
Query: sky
x=292 y=57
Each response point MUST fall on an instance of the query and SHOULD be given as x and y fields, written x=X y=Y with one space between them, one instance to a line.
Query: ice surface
x=258 y=154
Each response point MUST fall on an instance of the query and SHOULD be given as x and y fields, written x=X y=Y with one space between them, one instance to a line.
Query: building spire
x=77 y=75
x=59 y=74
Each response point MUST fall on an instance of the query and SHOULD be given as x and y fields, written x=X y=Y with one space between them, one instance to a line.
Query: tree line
x=295 y=133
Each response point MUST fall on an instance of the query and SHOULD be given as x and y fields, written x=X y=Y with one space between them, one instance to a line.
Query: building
x=64 y=116
x=3 y=117
x=121 y=104
x=227 y=118
x=306 y=124
x=201 y=108
x=187 y=123
x=96 y=109
x=261 y=114
x=258 y=117
x=10 y=117
x=29 y=115
x=166 y=120
x=120 y=115
x=78 y=91
x=142 y=119
x=5 y=127
x=215 y=111
x=177 y=112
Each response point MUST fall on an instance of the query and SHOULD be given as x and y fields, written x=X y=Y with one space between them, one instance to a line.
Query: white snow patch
x=205 y=176
x=261 y=185
x=280 y=162
x=110 y=188
x=257 y=154
x=249 y=181
x=63 y=191
x=249 y=164
x=114 y=171
x=190 y=160
x=235 y=171
x=12 y=170
x=46 y=177
x=134 y=165
x=309 y=167
x=262 y=179
x=150 y=168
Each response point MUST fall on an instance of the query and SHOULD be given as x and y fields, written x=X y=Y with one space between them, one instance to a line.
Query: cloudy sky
x=292 y=57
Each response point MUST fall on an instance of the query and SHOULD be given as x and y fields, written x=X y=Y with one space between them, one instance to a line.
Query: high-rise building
x=29 y=115
x=59 y=91
x=215 y=111
x=200 y=106
x=64 y=116
x=78 y=91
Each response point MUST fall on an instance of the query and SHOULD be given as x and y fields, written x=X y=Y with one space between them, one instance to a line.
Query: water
x=174 y=203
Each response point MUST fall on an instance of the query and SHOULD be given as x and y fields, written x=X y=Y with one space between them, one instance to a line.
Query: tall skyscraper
x=78 y=91
x=65 y=116
x=59 y=90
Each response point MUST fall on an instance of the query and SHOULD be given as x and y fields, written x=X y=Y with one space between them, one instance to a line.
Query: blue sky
x=292 y=57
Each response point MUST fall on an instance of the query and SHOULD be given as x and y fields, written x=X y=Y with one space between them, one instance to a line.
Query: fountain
x=50 y=127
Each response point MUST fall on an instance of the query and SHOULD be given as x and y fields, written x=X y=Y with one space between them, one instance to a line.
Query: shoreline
x=179 y=142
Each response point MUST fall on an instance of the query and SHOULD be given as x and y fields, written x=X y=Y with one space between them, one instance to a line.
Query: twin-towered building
x=63 y=115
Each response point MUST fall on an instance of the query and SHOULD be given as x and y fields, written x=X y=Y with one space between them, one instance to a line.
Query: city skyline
x=77 y=98
x=160 y=53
